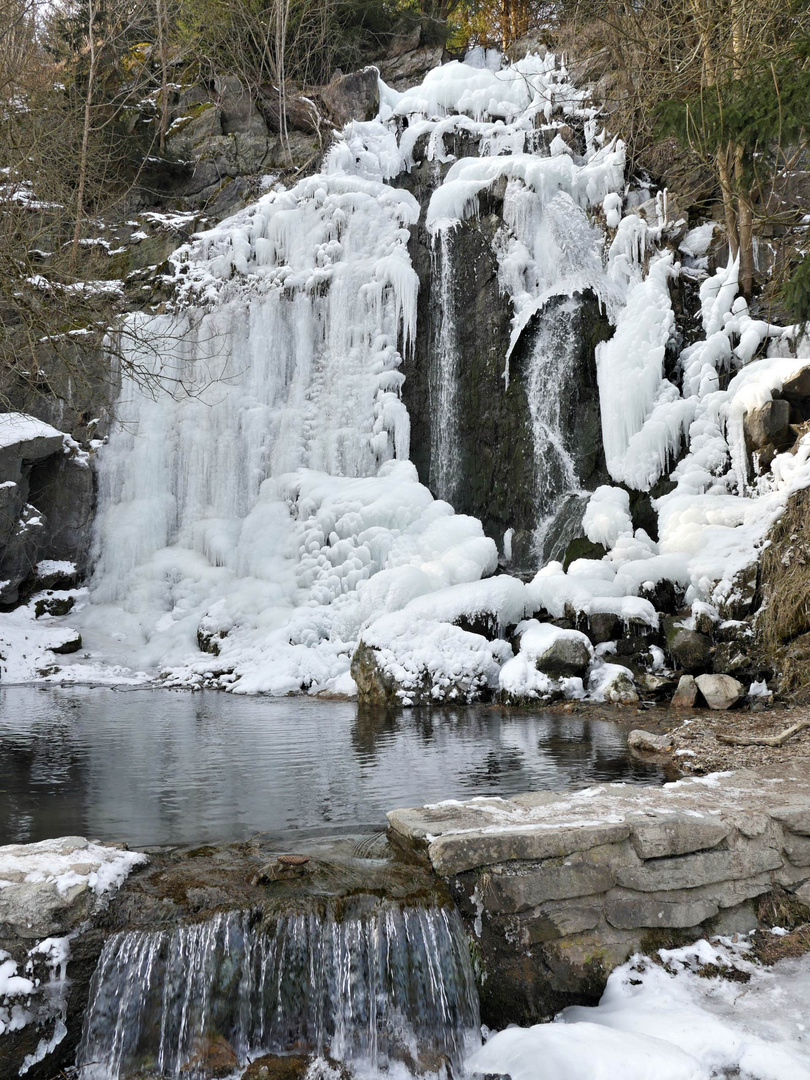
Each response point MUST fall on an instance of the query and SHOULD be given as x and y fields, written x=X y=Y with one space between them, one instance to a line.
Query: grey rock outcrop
x=768 y=425
x=353 y=97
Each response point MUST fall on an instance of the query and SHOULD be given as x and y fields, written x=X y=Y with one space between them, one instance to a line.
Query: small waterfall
x=443 y=382
x=392 y=984
x=551 y=385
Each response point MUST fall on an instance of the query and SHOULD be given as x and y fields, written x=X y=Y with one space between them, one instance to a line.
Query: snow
x=662 y=1018
x=582 y=1052
x=13 y=1014
x=18 y=427
x=65 y=862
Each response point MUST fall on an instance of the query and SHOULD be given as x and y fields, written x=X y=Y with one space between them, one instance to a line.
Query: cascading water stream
x=443 y=384
x=369 y=989
x=551 y=375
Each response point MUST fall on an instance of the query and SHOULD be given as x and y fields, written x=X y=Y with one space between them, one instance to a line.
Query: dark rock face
x=46 y=510
x=496 y=474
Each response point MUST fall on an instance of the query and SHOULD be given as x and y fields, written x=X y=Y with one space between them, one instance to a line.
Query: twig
x=766 y=740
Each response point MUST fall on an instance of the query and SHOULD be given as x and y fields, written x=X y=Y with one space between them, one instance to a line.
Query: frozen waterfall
x=260 y=504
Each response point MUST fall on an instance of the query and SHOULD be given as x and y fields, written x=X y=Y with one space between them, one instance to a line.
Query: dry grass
x=784 y=620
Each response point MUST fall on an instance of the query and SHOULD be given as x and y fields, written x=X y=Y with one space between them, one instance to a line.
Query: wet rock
x=277 y=1067
x=686 y=694
x=216 y=1059
x=657 y=685
x=374 y=685
x=720 y=691
x=353 y=97
x=646 y=742
x=768 y=424
x=689 y=649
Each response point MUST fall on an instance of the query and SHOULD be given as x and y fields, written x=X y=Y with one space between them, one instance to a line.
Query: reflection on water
x=163 y=767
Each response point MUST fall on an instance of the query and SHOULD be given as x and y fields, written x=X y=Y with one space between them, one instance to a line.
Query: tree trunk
x=745 y=225
x=724 y=173
x=84 y=153
x=164 y=71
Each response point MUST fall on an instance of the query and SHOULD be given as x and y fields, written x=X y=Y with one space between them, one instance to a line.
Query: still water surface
x=163 y=767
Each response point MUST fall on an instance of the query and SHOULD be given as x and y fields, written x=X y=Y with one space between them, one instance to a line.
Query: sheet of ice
x=643 y=415
x=607 y=516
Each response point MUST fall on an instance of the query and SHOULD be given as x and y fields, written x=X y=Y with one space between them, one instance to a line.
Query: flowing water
x=369 y=989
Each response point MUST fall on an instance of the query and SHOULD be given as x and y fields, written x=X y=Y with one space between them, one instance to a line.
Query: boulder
x=720 y=691
x=647 y=743
x=768 y=424
x=686 y=694
x=689 y=649
x=353 y=97
x=567 y=655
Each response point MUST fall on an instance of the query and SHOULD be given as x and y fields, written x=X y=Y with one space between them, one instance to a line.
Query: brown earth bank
x=696 y=736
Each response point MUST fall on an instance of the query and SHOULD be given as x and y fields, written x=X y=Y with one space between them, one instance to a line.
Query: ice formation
x=258 y=513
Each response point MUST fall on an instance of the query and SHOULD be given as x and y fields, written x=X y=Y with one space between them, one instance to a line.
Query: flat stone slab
x=689 y=819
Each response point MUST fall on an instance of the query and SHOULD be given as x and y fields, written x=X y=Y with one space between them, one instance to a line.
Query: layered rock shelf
x=559 y=888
